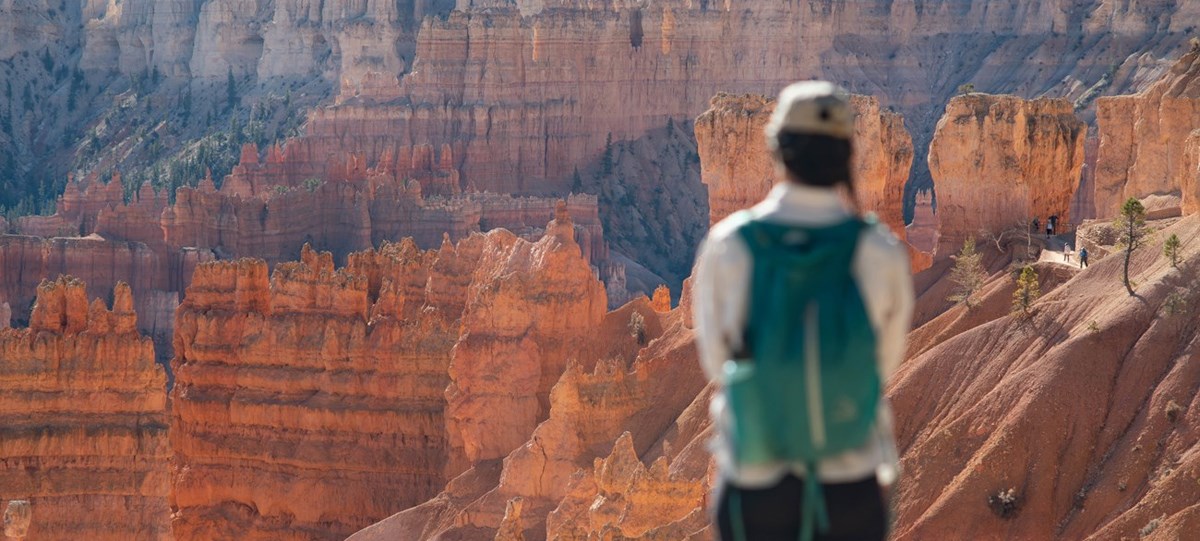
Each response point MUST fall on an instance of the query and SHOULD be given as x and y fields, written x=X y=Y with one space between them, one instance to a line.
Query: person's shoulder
x=728 y=227
x=880 y=245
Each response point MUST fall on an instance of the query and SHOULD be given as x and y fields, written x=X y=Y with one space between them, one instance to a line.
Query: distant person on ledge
x=802 y=306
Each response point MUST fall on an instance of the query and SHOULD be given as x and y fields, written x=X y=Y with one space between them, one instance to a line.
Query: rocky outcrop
x=922 y=232
x=1075 y=425
x=615 y=383
x=739 y=171
x=297 y=369
x=516 y=341
x=1143 y=140
x=333 y=377
x=1000 y=161
x=83 y=411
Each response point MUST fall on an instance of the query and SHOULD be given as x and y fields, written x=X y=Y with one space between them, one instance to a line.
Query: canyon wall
x=84 y=417
x=1000 y=161
x=367 y=387
x=1143 y=140
x=738 y=169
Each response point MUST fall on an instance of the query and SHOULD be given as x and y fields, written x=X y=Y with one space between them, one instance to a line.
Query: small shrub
x=1175 y=303
x=281 y=189
x=1173 y=410
x=1150 y=527
x=967 y=88
x=1005 y=503
x=1093 y=326
x=312 y=183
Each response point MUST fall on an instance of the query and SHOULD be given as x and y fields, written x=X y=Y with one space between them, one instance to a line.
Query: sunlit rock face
x=998 y=162
x=84 y=417
x=1144 y=148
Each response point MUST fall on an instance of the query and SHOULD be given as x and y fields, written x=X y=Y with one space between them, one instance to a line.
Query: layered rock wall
x=84 y=419
x=1143 y=140
x=333 y=377
x=1000 y=161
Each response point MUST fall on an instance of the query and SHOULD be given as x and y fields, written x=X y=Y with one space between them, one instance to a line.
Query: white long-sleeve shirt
x=720 y=294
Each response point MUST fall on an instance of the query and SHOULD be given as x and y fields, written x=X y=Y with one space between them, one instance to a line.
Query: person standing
x=792 y=297
x=1083 y=258
x=1067 y=253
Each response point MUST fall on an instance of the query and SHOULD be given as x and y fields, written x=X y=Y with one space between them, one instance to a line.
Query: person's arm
x=718 y=297
x=898 y=318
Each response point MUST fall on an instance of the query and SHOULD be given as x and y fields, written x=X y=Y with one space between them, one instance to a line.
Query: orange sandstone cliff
x=1000 y=161
x=368 y=387
x=84 y=419
x=1143 y=140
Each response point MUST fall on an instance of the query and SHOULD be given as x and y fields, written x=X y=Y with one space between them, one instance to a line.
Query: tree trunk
x=1128 y=254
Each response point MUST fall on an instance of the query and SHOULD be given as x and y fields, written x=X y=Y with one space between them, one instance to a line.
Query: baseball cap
x=813 y=108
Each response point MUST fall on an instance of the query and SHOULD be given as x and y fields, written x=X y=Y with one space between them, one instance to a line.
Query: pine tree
x=1171 y=249
x=231 y=90
x=1132 y=227
x=968 y=274
x=576 y=182
x=1028 y=291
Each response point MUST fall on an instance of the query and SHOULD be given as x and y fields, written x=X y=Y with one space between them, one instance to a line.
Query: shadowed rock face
x=84 y=421
x=1000 y=161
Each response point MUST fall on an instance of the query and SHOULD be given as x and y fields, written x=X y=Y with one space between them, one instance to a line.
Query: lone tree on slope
x=1028 y=291
x=1171 y=249
x=968 y=274
x=1132 y=227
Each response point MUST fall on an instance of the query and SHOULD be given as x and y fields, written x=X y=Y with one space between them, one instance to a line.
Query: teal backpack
x=806 y=384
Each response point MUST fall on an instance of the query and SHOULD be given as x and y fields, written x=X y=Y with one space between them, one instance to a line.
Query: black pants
x=856 y=511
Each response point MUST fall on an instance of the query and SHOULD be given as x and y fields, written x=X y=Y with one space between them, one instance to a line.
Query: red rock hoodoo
x=84 y=419
x=1000 y=161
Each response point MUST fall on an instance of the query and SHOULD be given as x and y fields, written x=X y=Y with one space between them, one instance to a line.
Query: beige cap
x=814 y=108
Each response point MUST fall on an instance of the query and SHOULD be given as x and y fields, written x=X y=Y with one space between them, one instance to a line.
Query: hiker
x=799 y=286
x=1083 y=255
x=1049 y=229
x=1067 y=253
x=1037 y=225
x=1052 y=224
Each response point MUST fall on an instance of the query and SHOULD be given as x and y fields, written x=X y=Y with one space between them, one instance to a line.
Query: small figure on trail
x=801 y=309
x=1053 y=224
x=1083 y=255
x=1049 y=229
x=1037 y=225
x=1067 y=253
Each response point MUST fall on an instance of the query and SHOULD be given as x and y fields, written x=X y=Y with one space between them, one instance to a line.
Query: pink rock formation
x=1143 y=137
x=320 y=373
x=325 y=356
x=1000 y=161
x=739 y=171
x=83 y=406
x=516 y=340
x=922 y=232
x=599 y=396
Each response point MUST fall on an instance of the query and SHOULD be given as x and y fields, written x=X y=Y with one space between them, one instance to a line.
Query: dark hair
x=816 y=160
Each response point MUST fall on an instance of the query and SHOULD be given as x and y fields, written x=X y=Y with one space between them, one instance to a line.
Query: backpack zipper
x=812 y=362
